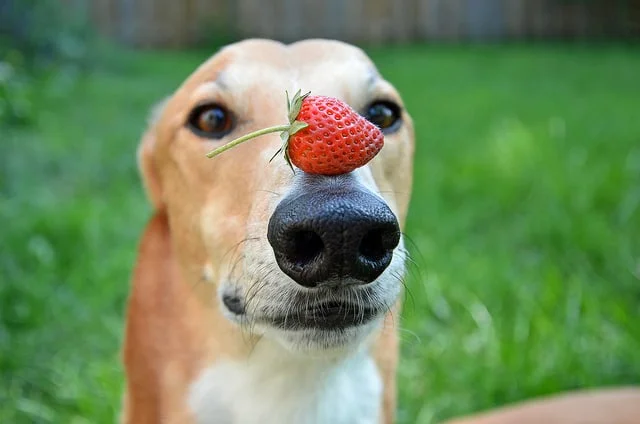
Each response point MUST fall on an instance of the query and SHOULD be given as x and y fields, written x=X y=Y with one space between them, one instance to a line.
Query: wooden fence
x=173 y=23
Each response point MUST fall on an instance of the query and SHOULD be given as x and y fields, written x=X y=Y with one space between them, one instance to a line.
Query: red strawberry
x=324 y=136
x=337 y=139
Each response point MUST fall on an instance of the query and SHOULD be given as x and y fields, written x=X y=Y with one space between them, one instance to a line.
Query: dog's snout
x=333 y=236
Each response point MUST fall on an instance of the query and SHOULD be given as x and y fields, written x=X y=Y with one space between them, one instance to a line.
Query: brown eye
x=211 y=121
x=385 y=115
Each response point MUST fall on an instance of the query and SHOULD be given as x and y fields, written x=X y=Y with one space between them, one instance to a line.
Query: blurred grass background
x=524 y=223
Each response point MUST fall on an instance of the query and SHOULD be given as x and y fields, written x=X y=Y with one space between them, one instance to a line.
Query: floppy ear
x=154 y=271
x=146 y=161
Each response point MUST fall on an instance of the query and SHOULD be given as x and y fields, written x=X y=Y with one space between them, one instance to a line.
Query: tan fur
x=204 y=211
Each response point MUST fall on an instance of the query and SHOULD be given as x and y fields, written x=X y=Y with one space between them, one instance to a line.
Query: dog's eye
x=384 y=114
x=211 y=121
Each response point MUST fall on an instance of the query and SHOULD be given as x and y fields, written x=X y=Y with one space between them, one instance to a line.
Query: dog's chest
x=269 y=390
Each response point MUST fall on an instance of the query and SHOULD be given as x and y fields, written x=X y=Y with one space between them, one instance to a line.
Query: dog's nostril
x=307 y=245
x=373 y=246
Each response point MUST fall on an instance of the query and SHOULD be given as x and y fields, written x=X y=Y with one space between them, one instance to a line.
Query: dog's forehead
x=322 y=66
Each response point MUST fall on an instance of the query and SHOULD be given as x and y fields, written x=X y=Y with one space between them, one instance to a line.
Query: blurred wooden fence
x=183 y=22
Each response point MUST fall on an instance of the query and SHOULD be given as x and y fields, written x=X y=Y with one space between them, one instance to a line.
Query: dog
x=262 y=295
x=217 y=330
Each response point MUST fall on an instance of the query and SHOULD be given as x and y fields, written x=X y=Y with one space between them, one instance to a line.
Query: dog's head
x=314 y=262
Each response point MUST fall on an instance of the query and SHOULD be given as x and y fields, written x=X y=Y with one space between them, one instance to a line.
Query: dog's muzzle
x=331 y=230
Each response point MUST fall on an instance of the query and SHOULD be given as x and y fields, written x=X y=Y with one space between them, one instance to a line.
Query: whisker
x=289 y=308
x=371 y=299
x=356 y=294
x=411 y=264
x=257 y=286
x=275 y=193
x=236 y=262
x=389 y=306
x=409 y=257
x=306 y=305
x=250 y=295
x=415 y=337
x=413 y=268
x=237 y=245
x=414 y=246
x=409 y=294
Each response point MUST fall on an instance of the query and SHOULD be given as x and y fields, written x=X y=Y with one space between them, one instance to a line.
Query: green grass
x=525 y=225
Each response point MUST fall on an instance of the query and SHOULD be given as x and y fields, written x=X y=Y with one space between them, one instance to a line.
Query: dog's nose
x=333 y=236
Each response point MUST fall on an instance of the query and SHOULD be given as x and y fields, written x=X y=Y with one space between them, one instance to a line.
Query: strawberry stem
x=246 y=137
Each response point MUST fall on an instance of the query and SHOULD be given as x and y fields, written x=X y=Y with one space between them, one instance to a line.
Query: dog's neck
x=274 y=385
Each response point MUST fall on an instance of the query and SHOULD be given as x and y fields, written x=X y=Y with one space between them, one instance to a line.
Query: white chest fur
x=277 y=387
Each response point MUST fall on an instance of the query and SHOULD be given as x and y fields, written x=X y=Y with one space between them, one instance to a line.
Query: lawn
x=524 y=227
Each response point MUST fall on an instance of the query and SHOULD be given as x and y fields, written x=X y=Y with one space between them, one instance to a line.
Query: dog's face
x=314 y=262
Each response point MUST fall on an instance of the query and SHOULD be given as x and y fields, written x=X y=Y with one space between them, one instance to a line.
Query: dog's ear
x=146 y=160
x=153 y=274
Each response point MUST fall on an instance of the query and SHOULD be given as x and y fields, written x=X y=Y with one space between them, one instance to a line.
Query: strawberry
x=324 y=136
